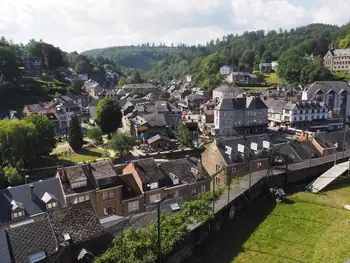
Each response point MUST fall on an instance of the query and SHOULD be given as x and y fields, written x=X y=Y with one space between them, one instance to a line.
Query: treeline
x=245 y=51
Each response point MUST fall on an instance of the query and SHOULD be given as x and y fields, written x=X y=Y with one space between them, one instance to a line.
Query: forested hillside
x=246 y=50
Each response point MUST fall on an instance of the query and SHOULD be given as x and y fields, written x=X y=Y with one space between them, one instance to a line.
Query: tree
x=12 y=175
x=135 y=77
x=95 y=134
x=76 y=85
x=184 y=135
x=83 y=67
x=8 y=66
x=122 y=81
x=75 y=135
x=108 y=115
x=33 y=49
x=164 y=95
x=345 y=42
x=45 y=141
x=122 y=143
x=315 y=71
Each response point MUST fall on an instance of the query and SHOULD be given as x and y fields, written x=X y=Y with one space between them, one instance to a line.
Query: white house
x=226 y=70
x=226 y=92
x=274 y=65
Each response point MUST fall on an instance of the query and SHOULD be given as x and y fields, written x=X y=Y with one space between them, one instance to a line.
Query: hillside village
x=133 y=147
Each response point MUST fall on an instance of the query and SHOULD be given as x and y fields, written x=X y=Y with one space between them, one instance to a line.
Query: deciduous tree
x=108 y=115
x=184 y=135
x=122 y=143
x=12 y=175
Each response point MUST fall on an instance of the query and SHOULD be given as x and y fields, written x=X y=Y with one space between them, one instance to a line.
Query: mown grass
x=272 y=78
x=312 y=228
x=84 y=155
x=48 y=80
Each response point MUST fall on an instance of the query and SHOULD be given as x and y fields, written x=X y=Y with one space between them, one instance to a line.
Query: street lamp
x=345 y=132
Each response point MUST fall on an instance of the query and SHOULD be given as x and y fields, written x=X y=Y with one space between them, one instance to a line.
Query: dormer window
x=154 y=185
x=49 y=200
x=17 y=209
x=77 y=184
x=174 y=178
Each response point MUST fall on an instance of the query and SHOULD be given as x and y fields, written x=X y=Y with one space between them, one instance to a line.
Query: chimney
x=31 y=192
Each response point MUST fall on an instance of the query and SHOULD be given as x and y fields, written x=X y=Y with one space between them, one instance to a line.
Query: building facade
x=245 y=115
x=337 y=59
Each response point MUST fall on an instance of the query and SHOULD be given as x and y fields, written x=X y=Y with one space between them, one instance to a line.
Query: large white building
x=226 y=70
x=236 y=116
x=336 y=95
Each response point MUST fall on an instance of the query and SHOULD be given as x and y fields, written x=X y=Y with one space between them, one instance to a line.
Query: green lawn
x=315 y=228
x=48 y=80
x=272 y=78
x=85 y=154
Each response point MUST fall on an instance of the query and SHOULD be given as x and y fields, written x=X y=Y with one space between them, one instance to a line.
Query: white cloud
x=85 y=24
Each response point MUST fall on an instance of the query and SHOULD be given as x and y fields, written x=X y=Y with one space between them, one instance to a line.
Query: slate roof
x=93 y=102
x=148 y=171
x=227 y=89
x=157 y=138
x=182 y=169
x=79 y=221
x=341 y=52
x=103 y=169
x=161 y=106
x=155 y=120
x=4 y=248
x=35 y=108
x=326 y=86
x=140 y=86
x=31 y=238
x=22 y=194
x=250 y=103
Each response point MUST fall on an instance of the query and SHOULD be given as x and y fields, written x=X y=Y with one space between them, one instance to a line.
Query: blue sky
x=85 y=24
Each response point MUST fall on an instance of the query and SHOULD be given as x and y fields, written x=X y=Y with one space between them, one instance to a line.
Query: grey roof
x=327 y=86
x=155 y=120
x=31 y=238
x=182 y=169
x=140 y=86
x=4 y=248
x=93 y=102
x=79 y=221
x=156 y=138
x=35 y=108
x=161 y=106
x=227 y=89
x=148 y=171
x=341 y=52
x=103 y=169
x=22 y=194
x=276 y=105
x=251 y=103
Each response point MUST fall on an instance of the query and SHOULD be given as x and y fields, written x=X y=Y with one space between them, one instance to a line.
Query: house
x=337 y=59
x=234 y=154
x=226 y=70
x=241 y=77
x=159 y=142
x=59 y=237
x=143 y=88
x=207 y=111
x=32 y=66
x=180 y=178
x=196 y=99
x=172 y=114
x=265 y=67
x=93 y=88
x=109 y=191
x=336 y=94
x=188 y=78
x=240 y=116
x=226 y=92
x=274 y=65
x=147 y=126
x=4 y=247
x=92 y=110
x=304 y=115
x=30 y=202
x=83 y=76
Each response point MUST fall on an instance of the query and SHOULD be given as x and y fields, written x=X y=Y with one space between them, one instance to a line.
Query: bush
x=13 y=176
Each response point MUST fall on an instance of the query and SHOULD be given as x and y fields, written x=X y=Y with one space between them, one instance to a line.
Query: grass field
x=272 y=78
x=315 y=228
x=48 y=80
x=85 y=154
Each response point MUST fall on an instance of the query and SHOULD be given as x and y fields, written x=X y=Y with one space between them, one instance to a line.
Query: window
x=17 y=214
x=108 y=195
x=154 y=185
x=108 y=211
x=154 y=198
x=217 y=180
x=133 y=206
x=306 y=118
x=194 y=191
x=259 y=165
x=203 y=189
x=295 y=112
x=324 y=110
x=75 y=200
x=295 y=118
x=301 y=111
x=51 y=205
x=323 y=116
x=234 y=170
x=312 y=117
x=81 y=199
x=87 y=197
x=36 y=257
x=300 y=118
x=217 y=167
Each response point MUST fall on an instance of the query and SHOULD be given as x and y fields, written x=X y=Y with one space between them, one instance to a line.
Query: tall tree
x=75 y=135
x=108 y=115
x=345 y=42
x=46 y=141
x=122 y=143
x=184 y=135
x=9 y=70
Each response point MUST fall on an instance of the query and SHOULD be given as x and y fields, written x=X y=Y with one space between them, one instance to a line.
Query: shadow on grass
x=88 y=152
x=224 y=245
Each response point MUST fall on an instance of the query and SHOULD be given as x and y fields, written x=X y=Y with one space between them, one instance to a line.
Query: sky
x=79 y=25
